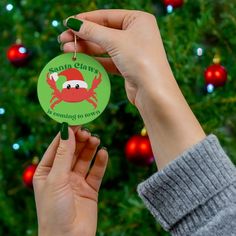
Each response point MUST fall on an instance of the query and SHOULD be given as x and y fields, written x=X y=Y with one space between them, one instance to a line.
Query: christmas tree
x=196 y=34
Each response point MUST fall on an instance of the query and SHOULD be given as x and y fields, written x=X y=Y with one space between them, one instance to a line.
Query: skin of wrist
x=157 y=91
x=47 y=233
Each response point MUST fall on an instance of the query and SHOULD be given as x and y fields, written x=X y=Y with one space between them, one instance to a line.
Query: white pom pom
x=54 y=76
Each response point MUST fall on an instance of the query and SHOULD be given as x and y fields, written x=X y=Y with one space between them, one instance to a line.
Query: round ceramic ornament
x=73 y=89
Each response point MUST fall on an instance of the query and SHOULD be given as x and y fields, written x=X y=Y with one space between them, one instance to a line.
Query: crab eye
x=77 y=86
x=68 y=86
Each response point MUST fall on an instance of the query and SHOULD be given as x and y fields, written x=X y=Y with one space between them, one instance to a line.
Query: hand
x=66 y=192
x=130 y=38
x=133 y=42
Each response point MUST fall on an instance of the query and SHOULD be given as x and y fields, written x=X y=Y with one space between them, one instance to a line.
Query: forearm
x=170 y=123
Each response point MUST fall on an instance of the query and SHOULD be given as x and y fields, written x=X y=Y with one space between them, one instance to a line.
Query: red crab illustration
x=74 y=90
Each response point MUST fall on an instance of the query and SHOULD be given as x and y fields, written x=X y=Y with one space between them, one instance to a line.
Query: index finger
x=49 y=155
x=109 y=18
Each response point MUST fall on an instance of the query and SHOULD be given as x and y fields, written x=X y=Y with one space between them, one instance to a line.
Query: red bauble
x=28 y=175
x=174 y=3
x=138 y=150
x=18 y=55
x=215 y=75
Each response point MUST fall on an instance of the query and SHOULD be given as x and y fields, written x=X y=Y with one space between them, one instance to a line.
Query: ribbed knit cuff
x=192 y=188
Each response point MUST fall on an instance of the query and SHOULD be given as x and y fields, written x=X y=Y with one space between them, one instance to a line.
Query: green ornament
x=71 y=90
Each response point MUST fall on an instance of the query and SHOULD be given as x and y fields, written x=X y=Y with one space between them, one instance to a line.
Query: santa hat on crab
x=74 y=79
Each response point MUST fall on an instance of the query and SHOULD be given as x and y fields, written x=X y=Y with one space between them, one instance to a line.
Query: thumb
x=65 y=152
x=87 y=30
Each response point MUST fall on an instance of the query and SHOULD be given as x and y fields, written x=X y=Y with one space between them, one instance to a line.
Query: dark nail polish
x=58 y=39
x=85 y=129
x=74 y=24
x=64 y=131
x=95 y=135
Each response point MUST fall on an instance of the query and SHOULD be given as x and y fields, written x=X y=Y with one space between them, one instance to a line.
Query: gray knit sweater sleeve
x=196 y=193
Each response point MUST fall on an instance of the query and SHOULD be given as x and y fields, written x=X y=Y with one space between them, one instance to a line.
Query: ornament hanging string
x=75 y=48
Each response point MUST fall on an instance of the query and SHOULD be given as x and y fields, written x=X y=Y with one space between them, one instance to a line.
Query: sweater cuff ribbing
x=188 y=183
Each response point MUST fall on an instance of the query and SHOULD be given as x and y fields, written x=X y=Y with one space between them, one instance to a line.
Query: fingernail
x=64 y=131
x=74 y=24
x=58 y=39
x=85 y=129
x=95 y=135
x=61 y=47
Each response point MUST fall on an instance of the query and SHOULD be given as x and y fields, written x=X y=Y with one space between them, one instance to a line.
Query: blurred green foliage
x=201 y=23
